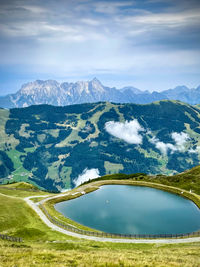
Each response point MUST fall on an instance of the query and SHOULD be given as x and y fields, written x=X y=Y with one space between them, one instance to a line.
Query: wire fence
x=92 y=233
x=11 y=238
x=112 y=235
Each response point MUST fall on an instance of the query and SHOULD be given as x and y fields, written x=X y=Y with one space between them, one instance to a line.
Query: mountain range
x=59 y=147
x=61 y=94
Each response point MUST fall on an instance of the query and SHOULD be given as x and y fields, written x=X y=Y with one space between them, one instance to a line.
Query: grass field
x=43 y=247
x=81 y=253
x=19 y=174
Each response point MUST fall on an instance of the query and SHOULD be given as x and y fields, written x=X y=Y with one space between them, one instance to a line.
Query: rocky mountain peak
x=96 y=81
x=62 y=94
x=81 y=86
x=39 y=86
x=96 y=85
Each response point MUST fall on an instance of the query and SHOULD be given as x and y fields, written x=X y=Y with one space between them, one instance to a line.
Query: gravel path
x=35 y=207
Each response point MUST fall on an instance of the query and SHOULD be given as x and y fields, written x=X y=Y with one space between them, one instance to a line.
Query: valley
x=99 y=133
x=56 y=148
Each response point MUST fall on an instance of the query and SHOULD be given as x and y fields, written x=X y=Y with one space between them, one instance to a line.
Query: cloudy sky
x=150 y=44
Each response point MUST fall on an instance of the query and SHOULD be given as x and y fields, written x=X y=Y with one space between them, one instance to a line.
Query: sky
x=148 y=44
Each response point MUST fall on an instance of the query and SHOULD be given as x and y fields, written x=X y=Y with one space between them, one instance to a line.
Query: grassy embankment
x=87 y=188
x=188 y=180
x=44 y=247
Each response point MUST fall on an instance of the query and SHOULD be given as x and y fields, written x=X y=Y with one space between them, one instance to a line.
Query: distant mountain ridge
x=62 y=94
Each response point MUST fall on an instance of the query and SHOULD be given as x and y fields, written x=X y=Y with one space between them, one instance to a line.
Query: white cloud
x=91 y=22
x=111 y=8
x=197 y=150
x=162 y=20
x=34 y=9
x=163 y=147
x=127 y=131
x=87 y=174
x=180 y=141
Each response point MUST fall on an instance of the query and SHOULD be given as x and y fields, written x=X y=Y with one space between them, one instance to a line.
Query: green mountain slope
x=51 y=146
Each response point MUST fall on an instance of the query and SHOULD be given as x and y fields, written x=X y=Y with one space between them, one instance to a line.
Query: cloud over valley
x=132 y=133
x=86 y=175
x=180 y=140
x=127 y=131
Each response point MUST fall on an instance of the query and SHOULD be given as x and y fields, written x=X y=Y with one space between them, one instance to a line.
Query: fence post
x=11 y=238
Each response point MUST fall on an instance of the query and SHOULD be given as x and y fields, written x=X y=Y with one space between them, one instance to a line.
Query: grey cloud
x=163 y=30
x=36 y=18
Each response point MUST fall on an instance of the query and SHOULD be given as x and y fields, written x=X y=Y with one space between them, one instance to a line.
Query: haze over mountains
x=62 y=94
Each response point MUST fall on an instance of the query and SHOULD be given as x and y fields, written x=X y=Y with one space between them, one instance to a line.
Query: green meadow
x=42 y=246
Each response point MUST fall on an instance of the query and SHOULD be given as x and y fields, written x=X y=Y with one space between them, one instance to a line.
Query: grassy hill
x=43 y=247
x=188 y=180
x=51 y=146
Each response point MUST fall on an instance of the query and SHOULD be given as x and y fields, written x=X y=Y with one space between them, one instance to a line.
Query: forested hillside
x=54 y=146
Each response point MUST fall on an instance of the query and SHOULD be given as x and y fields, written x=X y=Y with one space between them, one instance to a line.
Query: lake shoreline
x=90 y=187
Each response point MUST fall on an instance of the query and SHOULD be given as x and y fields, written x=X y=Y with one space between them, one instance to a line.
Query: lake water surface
x=126 y=209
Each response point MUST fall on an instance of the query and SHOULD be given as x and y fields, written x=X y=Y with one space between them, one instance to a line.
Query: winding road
x=35 y=207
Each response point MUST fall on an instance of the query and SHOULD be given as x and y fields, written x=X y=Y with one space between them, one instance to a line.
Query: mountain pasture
x=52 y=146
